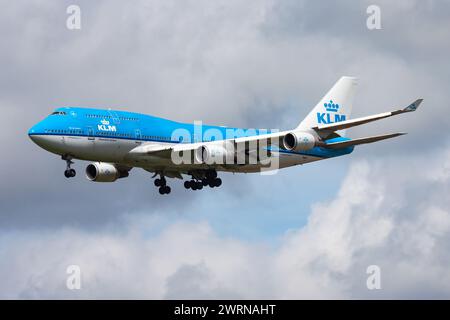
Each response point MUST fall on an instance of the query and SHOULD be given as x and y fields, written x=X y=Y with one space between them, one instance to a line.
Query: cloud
x=259 y=64
x=372 y=220
x=256 y=64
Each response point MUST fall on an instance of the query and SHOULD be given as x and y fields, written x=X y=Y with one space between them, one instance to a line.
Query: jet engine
x=299 y=141
x=104 y=172
x=211 y=154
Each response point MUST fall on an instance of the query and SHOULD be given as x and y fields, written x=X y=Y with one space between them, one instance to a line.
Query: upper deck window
x=128 y=119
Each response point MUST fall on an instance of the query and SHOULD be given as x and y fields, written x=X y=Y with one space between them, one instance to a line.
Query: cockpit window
x=58 y=112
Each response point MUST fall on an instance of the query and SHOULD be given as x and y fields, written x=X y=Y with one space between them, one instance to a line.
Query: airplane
x=117 y=141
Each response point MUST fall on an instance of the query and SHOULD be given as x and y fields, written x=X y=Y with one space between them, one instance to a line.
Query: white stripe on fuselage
x=115 y=150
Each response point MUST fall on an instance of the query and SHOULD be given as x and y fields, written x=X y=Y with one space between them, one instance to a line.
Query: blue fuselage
x=108 y=135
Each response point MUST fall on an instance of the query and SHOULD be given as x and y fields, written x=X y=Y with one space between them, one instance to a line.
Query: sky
x=306 y=232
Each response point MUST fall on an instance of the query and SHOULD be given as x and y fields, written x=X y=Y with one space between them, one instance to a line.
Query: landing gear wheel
x=199 y=185
x=217 y=182
x=161 y=183
x=70 y=173
x=164 y=190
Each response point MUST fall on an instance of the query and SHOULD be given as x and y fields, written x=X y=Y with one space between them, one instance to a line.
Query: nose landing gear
x=69 y=172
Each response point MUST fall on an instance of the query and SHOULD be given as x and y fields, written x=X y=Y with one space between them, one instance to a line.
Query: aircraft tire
x=70 y=173
x=164 y=190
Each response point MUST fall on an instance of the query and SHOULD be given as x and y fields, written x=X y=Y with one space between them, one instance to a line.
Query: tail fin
x=335 y=106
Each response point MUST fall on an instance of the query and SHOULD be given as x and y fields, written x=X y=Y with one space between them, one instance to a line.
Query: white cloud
x=375 y=218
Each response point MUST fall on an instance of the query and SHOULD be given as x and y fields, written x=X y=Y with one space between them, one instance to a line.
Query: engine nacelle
x=104 y=172
x=211 y=154
x=299 y=141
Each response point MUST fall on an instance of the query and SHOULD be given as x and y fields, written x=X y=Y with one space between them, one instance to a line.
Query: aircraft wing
x=164 y=150
x=326 y=129
x=265 y=140
x=154 y=149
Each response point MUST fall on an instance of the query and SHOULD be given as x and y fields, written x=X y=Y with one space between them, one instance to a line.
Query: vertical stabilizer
x=334 y=107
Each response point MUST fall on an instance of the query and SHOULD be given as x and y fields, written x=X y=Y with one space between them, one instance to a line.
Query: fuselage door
x=137 y=135
x=90 y=133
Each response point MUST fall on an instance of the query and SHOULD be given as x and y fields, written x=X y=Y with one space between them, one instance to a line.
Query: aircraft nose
x=41 y=141
x=35 y=133
x=50 y=143
x=34 y=138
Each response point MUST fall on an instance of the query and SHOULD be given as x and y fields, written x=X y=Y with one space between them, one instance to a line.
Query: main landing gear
x=199 y=180
x=208 y=179
x=161 y=183
x=69 y=172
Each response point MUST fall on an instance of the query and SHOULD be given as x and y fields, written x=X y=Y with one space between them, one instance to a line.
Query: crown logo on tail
x=331 y=107
x=105 y=122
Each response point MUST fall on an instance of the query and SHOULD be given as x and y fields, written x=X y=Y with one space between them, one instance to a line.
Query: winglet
x=413 y=106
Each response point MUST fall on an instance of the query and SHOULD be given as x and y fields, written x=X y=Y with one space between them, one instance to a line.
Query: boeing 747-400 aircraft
x=117 y=141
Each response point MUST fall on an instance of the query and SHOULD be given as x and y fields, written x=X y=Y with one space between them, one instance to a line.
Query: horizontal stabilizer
x=354 y=142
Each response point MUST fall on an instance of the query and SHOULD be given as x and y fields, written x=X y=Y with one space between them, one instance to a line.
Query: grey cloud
x=256 y=64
